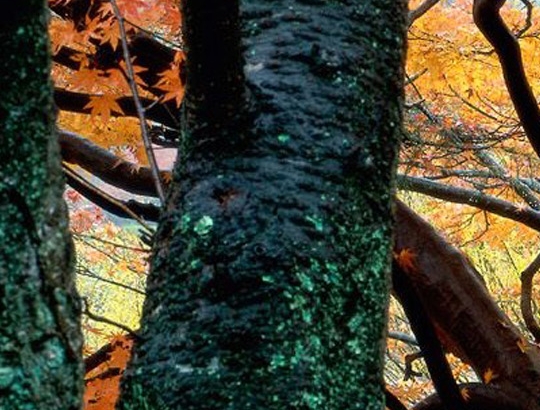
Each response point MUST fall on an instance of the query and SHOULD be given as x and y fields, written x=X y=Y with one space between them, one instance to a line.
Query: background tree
x=40 y=339
x=462 y=143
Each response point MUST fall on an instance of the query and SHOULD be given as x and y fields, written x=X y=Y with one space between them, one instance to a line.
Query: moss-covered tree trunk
x=269 y=280
x=40 y=341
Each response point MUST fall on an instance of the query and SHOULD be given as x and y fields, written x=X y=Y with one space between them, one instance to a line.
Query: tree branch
x=526 y=295
x=423 y=329
x=490 y=23
x=154 y=170
x=107 y=166
x=130 y=209
x=477 y=199
x=421 y=10
x=468 y=322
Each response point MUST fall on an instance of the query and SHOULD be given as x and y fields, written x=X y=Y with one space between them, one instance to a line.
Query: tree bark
x=269 y=281
x=40 y=340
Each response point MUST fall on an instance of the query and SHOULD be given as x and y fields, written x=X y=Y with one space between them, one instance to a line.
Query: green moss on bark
x=40 y=340
x=280 y=302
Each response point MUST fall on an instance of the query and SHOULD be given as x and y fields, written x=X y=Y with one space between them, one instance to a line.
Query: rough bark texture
x=269 y=280
x=40 y=341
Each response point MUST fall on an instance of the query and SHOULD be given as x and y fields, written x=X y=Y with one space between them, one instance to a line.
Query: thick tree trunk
x=269 y=280
x=40 y=341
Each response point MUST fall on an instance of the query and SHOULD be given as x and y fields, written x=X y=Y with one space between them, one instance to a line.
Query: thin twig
x=421 y=10
x=115 y=244
x=526 y=296
x=138 y=105
x=155 y=35
x=102 y=319
x=528 y=19
x=105 y=195
x=403 y=337
x=88 y=273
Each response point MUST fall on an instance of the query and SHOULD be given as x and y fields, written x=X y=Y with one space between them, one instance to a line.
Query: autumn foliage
x=462 y=140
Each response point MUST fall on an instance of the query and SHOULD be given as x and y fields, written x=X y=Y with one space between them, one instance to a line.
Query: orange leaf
x=172 y=85
x=103 y=105
x=522 y=344
x=489 y=375
x=406 y=258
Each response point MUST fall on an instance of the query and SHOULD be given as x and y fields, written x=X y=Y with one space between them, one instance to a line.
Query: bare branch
x=84 y=187
x=526 y=295
x=487 y=17
x=107 y=166
x=421 y=10
x=102 y=319
x=477 y=199
x=528 y=18
x=138 y=105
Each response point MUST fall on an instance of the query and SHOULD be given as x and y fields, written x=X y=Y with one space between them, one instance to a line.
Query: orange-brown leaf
x=406 y=259
x=489 y=375
x=103 y=105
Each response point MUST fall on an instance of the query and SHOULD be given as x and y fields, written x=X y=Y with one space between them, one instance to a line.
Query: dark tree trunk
x=40 y=340
x=269 y=280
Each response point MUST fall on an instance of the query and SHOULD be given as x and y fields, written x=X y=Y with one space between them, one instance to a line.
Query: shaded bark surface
x=269 y=281
x=40 y=340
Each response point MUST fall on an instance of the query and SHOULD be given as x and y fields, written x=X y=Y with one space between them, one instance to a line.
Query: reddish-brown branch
x=526 y=295
x=480 y=397
x=425 y=333
x=490 y=23
x=467 y=320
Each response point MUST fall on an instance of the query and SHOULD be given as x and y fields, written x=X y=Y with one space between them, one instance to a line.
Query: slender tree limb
x=477 y=199
x=409 y=359
x=528 y=18
x=433 y=353
x=526 y=297
x=403 y=337
x=156 y=177
x=107 y=166
x=88 y=273
x=105 y=200
x=421 y=10
x=519 y=187
x=102 y=319
x=487 y=17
